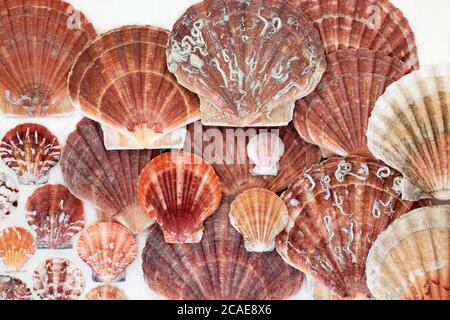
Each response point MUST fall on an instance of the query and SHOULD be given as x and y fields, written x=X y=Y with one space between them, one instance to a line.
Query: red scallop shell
x=14 y=289
x=16 y=247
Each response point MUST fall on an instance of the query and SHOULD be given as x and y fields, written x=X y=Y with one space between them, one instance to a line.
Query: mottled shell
x=410 y=130
x=108 y=249
x=337 y=210
x=40 y=41
x=335 y=116
x=9 y=195
x=16 y=248
x=226 y=149
x=55 y=215
x=31 y=151
x=217 y=268
x=58 y=279
x=411 y=260
x=106 y=292
x=14 y=289
x=179 y=190
x=246 y=59
x=105 y=179
x=259 y=215
x=121 y=80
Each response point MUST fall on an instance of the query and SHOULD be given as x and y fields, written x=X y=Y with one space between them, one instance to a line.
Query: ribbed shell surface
x=16 y=247
x=14 y=289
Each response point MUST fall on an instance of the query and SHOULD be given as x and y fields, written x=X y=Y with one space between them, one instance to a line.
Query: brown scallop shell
x=55 y=215
x=179 y=190
x=9 y=195
x=31 y=151
x=106 y=292
x=105 y=179
x=337 y=210
x=14 y=289
x=16 y=247
x=121 y=80
x=217 y=268
x=245 y=58
x=40 y=41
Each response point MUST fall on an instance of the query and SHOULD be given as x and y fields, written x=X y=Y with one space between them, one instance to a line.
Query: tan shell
x=106 y=292
x=16 y=247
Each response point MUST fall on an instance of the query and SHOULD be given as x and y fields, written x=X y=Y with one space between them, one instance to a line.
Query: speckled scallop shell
x=55 y=215
x=411 y=260
x=259 y=215
x=108 y=249
x=121 y=80
x=337 y=210
x=31 y=151
x=372 y=24
x=40 y=41
x=9 y=195
x=58 y=279
x=226 y=149
x=217 y=268
x=16 y=247
x=410 y=131
x=14 y=289
x=179 y=190
x=335 y=116
x=106 y=292
x=246 y=59
x=105 y=179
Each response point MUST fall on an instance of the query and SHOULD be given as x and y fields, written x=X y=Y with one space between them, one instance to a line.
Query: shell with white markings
x=9 y=195
x=16 y=247
x=14 y=289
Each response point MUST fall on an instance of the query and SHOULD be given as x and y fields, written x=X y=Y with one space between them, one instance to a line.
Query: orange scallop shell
x=106 y=292
x=14 y=289
x=16 y=247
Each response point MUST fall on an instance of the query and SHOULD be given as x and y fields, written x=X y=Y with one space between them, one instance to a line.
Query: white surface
x=429 y=19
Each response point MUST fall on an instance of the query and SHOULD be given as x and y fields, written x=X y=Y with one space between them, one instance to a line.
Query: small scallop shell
x=108 y=249
x=106 y=292
x=16 y=248
x=266 y=150
x=9 y=195
x=14 y=289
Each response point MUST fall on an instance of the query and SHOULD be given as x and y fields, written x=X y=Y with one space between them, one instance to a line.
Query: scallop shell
x=335 y=116
x=217 y=268
x=55 y=215
x=105 y=179
x=108 y=249
x=259 y=215
x=16 y=248
x=319 y=291
x=106 y=292
x=410 y=260
x=58 y=279
x=266 y=151
x=14 y=289
x=226 y=149
x=179 y=190
x=31 y=151
x=40 y=41
x=9 y=195
x=246 y=59
x=337 y=209
x=410 y=130
x=372 y=24
x=137 y=97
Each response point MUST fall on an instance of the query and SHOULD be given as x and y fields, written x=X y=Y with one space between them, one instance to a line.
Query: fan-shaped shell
x=372 y=24
x=55 y=215
x=266 y=151
x=9 y=195
x=108 y=249
x=259 y=215
x=105 y=179
x=14 y=289
x=40 y=41
x=121 y=80
x=31 y=151
x=58 y=279
x=217 y=268
x=335 y=116
x=410 y=131
x=318 y=291
x=245 y=58
x=106 y=292
x=337 y=209
x=16 y=247
x=411 y=259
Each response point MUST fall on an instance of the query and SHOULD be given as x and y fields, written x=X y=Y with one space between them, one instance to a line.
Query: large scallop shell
x=226 y=149
x=105 y=179
x=259 y=215
x=40 y=41
x=55 y=215
x=16 y=247
x=245 y=59
x=106 y=292
x=9 y=195
x=58 y=279
x=121 y=80
x=31 y=151
x=179 y=190
x=410 y=130
x=217 y=268
x=14 y=289
x=337 y=210
x=335 y=116
x=372 y=24
x=108 y=249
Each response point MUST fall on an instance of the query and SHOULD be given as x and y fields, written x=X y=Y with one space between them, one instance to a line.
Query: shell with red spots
x=106 y=292
x=14 y=289
x=16 y=247
x=9 y=195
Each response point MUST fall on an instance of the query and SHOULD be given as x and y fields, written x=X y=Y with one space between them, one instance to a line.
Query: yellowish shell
x=16 y=247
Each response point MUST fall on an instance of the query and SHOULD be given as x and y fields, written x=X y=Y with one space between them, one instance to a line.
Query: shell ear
x=411 y=192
